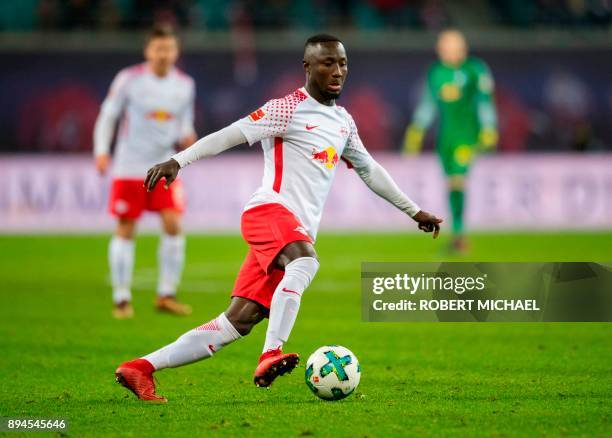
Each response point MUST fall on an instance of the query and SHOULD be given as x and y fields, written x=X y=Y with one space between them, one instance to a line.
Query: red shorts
x=267 y=229
x=128 y=198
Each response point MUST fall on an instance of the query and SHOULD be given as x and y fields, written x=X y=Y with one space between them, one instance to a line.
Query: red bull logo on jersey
x=160 y=115
x=256 y=115
x=329 y=157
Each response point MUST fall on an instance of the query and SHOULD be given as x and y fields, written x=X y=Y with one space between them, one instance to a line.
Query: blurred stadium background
x=552 y=62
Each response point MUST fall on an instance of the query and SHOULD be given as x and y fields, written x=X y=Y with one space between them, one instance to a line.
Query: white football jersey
x=156 y=112
x=303 y=141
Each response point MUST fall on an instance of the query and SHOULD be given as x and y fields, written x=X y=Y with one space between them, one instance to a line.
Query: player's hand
x=168 y=169
x=488 y=139
x=428 y=222
x=102 y=162
x=413 y=139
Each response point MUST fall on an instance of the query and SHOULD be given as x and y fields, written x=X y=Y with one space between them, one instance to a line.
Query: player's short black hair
x=160 y=31
x=321 y=38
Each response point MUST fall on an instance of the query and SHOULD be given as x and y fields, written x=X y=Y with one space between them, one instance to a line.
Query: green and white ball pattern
x=332 y=372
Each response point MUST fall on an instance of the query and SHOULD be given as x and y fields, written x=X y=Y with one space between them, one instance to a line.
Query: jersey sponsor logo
x=256 y=115
x=450 y=92
x=160 y=115
x=311 y=127
x=328 y=157
x=344 y=132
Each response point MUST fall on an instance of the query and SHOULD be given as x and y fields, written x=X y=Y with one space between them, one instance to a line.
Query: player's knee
x=172 y=228
x=171 y=222
x=244 y=314
x=456 y=182
x=242 y=325
x=126 y=228
x=295 y=251
x=243 y=321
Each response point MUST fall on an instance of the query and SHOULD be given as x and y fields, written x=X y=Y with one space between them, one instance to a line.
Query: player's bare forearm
x=428 y=222
x=168 y=170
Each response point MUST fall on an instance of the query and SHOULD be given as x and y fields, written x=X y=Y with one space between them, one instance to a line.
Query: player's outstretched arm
x=380 y=182
x=208 y=146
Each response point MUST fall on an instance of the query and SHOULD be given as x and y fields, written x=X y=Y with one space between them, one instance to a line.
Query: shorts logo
x=450 y=92
x=256 y=115
x=329 y=157
x=121 y=206
x=301 y=230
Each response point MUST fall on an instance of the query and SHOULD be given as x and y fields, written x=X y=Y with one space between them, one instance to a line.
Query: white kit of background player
x=153 y=104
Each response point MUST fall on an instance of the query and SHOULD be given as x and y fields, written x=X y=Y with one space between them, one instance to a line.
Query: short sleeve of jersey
x=355 y=152
x=115 y=100
x=272 y=119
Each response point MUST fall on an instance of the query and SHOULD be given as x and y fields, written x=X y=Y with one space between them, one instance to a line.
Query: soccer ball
x=332 y=372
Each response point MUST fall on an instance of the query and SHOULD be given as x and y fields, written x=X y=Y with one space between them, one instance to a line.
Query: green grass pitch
x=60 y=347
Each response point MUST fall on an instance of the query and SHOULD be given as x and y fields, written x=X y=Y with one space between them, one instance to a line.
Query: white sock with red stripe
x=121 y=262
x=197 y=344
x=171 y=257
x=286 y=300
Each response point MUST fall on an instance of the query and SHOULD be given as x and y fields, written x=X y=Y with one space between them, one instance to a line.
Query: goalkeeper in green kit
x=460 y=89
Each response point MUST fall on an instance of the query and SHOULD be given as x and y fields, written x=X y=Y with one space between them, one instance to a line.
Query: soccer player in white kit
x=153 y=102
x=303 y=136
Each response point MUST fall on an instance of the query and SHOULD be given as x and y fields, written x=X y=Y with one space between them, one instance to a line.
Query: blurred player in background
x=153 y=102
x=303 y=136
x=460 y=89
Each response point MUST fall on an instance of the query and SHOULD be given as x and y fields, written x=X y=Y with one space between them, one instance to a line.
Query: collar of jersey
x=303 y=90
x=150 y=72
